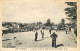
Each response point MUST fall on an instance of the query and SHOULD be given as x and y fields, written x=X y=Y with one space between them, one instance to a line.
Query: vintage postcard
x=39 y=25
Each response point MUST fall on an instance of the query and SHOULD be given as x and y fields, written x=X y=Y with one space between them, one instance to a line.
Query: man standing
x=36 y=35
x=50 y=31
x=66 y=29
x=54 y=36
x=43 y=34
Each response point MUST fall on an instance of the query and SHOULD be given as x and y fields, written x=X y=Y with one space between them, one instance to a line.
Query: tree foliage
x=71 y=11
x=48 y=23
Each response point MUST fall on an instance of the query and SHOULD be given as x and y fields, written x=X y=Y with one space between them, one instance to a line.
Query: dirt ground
x=26 y=39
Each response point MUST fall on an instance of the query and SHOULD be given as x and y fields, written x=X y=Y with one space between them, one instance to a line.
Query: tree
x=71 y=11
x=62 y=21
x=48 y=23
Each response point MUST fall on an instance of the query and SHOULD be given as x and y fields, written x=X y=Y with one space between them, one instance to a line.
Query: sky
x=33 y=12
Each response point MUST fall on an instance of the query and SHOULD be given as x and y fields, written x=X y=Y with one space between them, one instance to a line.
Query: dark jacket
x=54 y=36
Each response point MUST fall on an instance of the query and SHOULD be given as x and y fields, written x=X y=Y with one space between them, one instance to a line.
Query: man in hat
x=54 y=36
x=36 y=35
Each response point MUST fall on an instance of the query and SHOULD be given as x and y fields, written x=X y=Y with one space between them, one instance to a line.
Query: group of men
x=36 y=35
x=53 y=36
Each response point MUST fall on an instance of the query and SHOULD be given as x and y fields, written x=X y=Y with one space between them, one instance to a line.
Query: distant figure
x=54 y=36
x=14 y=38
x=36 y=35
x=43 y=34
x=66 y=30
x=50 y=31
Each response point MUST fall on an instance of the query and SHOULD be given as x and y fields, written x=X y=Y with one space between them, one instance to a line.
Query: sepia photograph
x=37 y=25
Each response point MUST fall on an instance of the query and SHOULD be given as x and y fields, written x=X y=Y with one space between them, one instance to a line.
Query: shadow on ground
x=40 y=40
x=46 y=37
x=60 y=45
